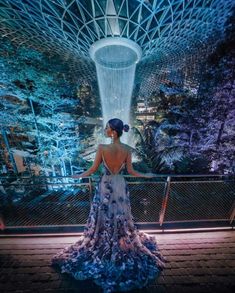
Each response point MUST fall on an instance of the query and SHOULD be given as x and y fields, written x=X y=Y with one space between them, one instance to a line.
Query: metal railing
x=165 y=199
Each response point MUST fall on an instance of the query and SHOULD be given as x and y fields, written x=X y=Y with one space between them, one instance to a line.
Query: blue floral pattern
x=111 y=250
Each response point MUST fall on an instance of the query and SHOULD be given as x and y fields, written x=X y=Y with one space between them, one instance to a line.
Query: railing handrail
x=94 y=176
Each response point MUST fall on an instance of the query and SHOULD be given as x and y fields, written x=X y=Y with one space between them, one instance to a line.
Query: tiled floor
x=196 y=262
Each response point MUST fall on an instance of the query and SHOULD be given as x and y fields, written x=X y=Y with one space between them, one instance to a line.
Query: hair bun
x=126 y=127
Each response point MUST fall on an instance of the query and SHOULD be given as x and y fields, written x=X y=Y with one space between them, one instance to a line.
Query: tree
x=218 y=109
x=38 y=99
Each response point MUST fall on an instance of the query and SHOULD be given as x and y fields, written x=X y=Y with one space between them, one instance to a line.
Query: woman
x=112 y=251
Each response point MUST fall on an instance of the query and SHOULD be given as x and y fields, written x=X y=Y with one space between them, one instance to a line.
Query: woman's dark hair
x=117 y=125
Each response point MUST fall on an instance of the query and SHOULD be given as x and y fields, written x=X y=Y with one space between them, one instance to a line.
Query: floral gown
x=112 y=251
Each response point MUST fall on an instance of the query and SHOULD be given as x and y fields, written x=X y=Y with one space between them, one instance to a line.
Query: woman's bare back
x=115 y=155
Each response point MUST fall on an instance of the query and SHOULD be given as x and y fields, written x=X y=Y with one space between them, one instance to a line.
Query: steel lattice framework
x=166 y=30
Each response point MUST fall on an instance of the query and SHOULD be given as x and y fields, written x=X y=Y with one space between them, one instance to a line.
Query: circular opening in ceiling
x=115 y=53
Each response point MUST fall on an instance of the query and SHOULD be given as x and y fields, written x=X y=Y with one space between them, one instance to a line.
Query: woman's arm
x=133 y=172
x=94 y=167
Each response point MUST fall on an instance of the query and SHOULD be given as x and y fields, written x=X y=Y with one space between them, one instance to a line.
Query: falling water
x=115 y=60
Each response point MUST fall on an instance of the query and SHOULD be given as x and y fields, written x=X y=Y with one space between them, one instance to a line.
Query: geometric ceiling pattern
x=166 y=30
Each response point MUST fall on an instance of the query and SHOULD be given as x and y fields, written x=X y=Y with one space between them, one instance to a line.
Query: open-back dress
x=111 y=250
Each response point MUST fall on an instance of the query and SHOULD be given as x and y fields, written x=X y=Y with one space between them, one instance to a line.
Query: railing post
x=2 y=224
x=165 y=200
x=232 y=213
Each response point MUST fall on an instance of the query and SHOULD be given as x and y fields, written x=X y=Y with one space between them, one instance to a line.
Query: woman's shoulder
x=102 y=145
x=107 y=146
x=126 y=147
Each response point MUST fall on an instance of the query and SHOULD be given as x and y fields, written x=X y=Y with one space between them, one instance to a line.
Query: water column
x=115 y=60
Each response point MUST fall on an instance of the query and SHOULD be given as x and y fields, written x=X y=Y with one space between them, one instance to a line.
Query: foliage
x=38 y=98
x=194 y=133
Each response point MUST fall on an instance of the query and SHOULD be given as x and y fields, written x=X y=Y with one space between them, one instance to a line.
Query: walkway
x=197 y=262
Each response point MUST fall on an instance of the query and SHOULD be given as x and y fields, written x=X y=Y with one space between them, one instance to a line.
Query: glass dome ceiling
x=168 y=31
